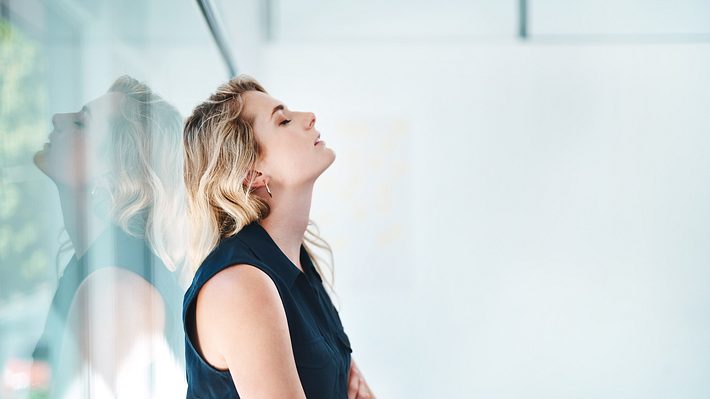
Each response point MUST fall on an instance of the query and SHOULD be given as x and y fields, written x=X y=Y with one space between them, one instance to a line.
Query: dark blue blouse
x=320 y=346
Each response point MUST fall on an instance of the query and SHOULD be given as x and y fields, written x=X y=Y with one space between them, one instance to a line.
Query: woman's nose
x=57 y=120
x=311 y=119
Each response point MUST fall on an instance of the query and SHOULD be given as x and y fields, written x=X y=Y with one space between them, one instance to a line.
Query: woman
x=258 y=321
x=114 y=324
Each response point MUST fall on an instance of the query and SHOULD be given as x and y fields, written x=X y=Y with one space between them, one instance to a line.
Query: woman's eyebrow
x=276 y=108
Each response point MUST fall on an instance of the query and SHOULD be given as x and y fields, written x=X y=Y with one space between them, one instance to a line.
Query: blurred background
x=519 y=206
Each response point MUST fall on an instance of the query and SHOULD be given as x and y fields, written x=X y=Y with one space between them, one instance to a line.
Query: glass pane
x=93 y=95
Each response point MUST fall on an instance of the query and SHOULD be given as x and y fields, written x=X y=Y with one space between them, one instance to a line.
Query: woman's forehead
x=259 y=105
x=104 y=105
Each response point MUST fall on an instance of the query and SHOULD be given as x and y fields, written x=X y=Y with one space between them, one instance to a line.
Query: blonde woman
x=114 y=328
x=258 y=321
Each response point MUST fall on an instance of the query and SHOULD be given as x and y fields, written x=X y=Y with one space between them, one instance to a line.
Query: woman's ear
x=256 y=178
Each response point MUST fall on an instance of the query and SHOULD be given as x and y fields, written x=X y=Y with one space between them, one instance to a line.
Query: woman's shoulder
x=229 y=251
x=238 y=281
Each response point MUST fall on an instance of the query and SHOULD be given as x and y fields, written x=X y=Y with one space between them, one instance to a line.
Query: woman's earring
x=100 y=201
x=267 y=190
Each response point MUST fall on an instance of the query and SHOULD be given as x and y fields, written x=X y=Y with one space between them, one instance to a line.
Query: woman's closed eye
x=285 y=122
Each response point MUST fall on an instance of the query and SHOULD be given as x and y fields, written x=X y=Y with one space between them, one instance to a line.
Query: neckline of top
x=303 y=254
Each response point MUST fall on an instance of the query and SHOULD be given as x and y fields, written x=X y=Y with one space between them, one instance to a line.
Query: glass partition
x=92 y=100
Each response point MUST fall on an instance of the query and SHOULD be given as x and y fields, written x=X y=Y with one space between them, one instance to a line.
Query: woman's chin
x=326 y=166
x=330 y=154
x=40 y=161
x=327 y=159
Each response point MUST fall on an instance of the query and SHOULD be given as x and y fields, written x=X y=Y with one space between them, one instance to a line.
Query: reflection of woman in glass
x=258 y=320
x=114 y=323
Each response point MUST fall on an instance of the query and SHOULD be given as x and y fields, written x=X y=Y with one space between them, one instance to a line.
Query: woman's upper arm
x=114 y=316
x=242 y=326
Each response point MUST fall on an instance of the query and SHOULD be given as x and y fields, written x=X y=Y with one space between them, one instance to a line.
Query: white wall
x=323 y=20
x=656 y=18
x=515 y=220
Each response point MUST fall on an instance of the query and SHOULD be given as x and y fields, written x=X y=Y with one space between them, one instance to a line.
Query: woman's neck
x=81 y=223
x=288 y=219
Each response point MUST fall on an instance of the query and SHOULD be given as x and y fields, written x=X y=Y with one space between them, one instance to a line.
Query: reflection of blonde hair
x=148 y=197
x=220 y=152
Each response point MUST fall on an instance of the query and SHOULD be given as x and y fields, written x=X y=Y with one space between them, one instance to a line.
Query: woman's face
x=290 y=155
x=76 y=152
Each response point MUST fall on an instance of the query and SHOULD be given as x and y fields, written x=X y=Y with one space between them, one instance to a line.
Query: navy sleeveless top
x=320 y=346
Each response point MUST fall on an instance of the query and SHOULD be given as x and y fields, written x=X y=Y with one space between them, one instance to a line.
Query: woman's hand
x=357 y=387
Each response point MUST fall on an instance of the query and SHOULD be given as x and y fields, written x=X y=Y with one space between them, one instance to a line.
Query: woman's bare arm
x=357 y=386
x=114 y=316
x=242 y=326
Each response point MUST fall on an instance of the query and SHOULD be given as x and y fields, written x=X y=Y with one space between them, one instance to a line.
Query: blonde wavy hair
x=220 y=152
x=147 y=196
